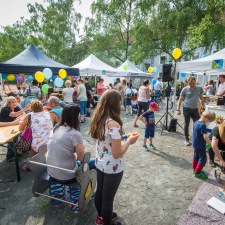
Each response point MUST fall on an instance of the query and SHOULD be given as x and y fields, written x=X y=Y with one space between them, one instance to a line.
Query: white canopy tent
x=94 y=66
x=210 y=65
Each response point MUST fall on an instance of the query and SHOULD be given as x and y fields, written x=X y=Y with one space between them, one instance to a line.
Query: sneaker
x=116 y=223
x=126 y=114
x=211 y=163
x=200 y=175
x=145 y=148
x=152 y=146
x=202 y=171
x=99 y=219
x=81 y=121
x=187 y=143
x=88 y=115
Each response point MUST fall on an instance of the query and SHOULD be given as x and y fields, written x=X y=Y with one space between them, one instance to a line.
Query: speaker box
x=166 y=72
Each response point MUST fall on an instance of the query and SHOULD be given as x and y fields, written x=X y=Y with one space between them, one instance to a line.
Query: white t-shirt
x=68 y=94
x=221 y=88
x=158 y=85
x=104 y=160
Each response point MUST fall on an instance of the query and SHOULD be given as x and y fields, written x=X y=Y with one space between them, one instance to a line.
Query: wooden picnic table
x=5 y=137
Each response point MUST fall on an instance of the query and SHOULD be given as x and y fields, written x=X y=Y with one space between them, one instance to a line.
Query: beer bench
x=81 y=190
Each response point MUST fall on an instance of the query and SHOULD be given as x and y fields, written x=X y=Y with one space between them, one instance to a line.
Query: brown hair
x=108 y=107
x=223 y=76
x=222 y=130
x=74 y=81
x=211 y=82
x=36 y=106
x=191 y=79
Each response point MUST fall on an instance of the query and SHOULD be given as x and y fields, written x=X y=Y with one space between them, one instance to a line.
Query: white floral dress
x=41 y=127
x=104 y=160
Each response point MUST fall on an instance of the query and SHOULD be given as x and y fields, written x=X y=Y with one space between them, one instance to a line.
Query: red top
x=100 y=92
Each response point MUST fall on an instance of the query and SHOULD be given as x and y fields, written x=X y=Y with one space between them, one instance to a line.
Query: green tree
x=56 y=26
x=111 y=29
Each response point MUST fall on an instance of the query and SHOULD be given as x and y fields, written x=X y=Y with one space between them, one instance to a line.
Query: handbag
x=24 y=143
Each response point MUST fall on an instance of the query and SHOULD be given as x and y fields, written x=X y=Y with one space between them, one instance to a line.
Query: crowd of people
x=56 y=122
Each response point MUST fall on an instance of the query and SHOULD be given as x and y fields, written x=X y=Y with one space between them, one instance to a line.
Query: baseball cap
x=154 y=105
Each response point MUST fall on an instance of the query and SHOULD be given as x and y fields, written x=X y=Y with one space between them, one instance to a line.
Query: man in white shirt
x=158 y=87
x=221 y=90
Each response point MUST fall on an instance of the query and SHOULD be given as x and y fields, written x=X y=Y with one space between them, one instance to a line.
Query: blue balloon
x=53 y=78
x=114 y=79
x=65 y=78
x=154 y=81
x=4 y=75
x=154 y=69
x=204 y=56
x=30 y=78
x=47 y=73
x=128 y=91
x=183 y=74
x=171 y=85
x=58 y=82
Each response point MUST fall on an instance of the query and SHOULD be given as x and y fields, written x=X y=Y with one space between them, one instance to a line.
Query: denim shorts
x=149 y=133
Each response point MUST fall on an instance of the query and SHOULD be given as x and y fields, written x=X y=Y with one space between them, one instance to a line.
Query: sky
x=12 y=10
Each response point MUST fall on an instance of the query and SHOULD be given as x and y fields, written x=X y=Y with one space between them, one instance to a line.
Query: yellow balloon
x=39 y=76
x=176 y=53
x=62 y=73
x=150 y=69
x=10 y=77
x=21 y=74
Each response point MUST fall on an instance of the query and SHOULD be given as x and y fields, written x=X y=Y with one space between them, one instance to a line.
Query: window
x=196 y=56
x=160 y=75
x=213 y=77
x=147 y=65
x=162 y=60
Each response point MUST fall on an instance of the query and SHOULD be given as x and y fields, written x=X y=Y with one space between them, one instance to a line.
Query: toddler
x=128 y=105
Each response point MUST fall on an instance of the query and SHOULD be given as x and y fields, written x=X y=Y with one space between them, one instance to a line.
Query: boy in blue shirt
x=199 y=140
x=149 y=124
x=128 y=104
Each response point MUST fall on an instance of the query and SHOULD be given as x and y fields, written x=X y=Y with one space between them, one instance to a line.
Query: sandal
x=25 y=168
x=12 y=160
x=135 y=125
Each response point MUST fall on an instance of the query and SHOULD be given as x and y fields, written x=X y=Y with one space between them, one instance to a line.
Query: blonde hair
x=36 y=106
x=68 y=83
x=210 y=115
x=9 y=99
x=108 y=107
x=123 y=82
x=191 y=79
x=222 y=130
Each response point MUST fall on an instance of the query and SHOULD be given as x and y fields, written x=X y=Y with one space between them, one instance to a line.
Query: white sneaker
x=187 y=143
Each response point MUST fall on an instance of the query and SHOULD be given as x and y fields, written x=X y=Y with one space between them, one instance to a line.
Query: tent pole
x=3 y=94
x=203 y=80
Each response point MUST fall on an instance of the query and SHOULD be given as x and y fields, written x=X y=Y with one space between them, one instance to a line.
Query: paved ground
x=157 y=186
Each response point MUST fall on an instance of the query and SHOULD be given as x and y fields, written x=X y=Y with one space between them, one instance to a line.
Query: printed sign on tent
x=217 y=64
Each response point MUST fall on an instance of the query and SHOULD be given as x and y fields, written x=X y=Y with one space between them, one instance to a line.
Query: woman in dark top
x=9 y=113
x=218 y=144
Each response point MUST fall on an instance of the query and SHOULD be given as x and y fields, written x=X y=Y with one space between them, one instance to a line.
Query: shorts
x=149 y=133
x=88 y=103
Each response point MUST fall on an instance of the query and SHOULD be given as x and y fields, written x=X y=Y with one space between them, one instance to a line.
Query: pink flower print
x=101 y=156
x=96 y=160
x=103 y=138
x=111 y=130
x=105 y=149
x=115 y=168
x=107 y=163
x=98 y=142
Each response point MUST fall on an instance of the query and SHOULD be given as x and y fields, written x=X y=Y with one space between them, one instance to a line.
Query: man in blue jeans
x=191 y=96
x=82 y=97
x=158 y=88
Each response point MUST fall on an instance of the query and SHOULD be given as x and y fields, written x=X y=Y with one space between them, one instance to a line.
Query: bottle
x=125 y=136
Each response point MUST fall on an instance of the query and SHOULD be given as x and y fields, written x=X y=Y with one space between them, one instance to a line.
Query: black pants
x=142 y=106
x=188 y=114
x=107 y=185
x=212 y=154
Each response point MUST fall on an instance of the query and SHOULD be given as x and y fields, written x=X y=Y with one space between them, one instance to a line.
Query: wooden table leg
x=16 y=160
